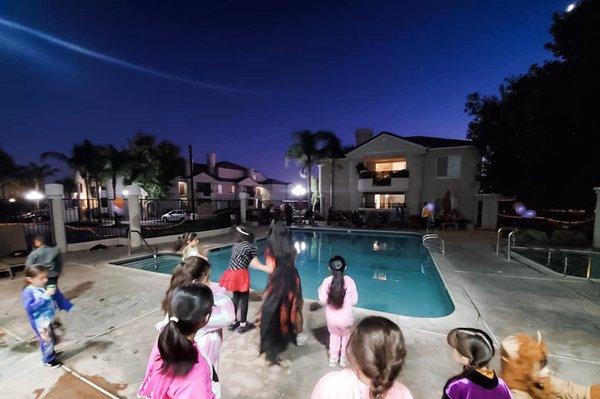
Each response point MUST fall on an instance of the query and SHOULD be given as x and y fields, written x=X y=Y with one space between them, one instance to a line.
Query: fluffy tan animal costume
x=524 y=370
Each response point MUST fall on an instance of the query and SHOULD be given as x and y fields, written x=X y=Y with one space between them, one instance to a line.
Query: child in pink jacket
x=338 y=293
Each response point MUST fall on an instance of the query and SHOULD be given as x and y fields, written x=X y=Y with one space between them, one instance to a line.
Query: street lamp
x=299 y=190
x=36 y=196
x=11 y=200
x=571 y=7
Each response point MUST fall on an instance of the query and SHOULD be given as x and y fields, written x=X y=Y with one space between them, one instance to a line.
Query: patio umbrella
x=447 y=203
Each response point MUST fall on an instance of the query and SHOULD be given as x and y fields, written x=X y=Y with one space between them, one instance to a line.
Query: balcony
x=397 y=181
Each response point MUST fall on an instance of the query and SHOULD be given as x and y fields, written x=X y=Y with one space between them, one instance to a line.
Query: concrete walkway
x=108 y=337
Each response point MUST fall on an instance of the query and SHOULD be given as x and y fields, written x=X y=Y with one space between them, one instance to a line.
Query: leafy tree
x=154 y=165
x=36 y=174
x=309 y=148
x=69 y=186
x=8 y=174
x=86 y=159
x=536 y=134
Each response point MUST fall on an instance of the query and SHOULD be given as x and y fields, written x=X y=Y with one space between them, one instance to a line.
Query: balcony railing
x=383 y=178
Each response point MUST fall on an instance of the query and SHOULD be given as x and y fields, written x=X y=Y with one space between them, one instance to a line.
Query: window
x=390 y=166
x=232 y=189
x=220 y=188
x=383 y=201
x=203 y=188
x=182 y=187
x=448 y=166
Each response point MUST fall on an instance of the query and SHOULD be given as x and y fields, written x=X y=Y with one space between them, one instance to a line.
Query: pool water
x=393 y=273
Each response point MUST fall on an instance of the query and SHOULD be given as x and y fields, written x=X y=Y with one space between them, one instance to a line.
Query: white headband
x=239 y=229
x=174 y=319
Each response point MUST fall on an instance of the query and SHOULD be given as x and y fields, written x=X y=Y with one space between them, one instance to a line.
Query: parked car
x=177 y=215
x=36 y=216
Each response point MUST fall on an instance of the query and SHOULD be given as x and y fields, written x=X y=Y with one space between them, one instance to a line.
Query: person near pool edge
x=236 y=278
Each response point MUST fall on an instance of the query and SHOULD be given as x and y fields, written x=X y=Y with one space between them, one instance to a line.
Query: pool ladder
x=511 y=239
x=154 y=253
x=434 y=242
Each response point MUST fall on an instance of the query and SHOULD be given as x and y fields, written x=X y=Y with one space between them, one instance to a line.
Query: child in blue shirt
x=41 y=309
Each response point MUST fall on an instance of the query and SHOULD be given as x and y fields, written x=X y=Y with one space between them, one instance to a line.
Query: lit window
x=232 y=189
x=220 y=189
x=391 y=166
x=386 y=201
x=448 y=166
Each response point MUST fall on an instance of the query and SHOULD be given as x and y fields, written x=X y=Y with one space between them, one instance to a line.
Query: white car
x=178 y=215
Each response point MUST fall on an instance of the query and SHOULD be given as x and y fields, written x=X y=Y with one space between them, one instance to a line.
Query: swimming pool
x=394 y=273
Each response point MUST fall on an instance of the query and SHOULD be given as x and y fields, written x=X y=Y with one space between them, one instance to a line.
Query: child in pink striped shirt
x=338 y=293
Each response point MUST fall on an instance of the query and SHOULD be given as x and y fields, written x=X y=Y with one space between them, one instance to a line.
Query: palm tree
x=8 y=172
x=85 y=158
x=116 y=163
x=37 y=174
x=332 y=149
x=69 y=185
x=309 y=148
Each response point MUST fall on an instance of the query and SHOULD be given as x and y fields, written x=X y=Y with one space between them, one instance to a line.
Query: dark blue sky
x=400 y=66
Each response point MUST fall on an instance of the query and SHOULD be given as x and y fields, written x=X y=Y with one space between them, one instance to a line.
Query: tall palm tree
x=37 y=174
x=85 y=158
x=117 y=162
x=332 y=149
x=69 y=185
x=309 y=148
x=8 y=172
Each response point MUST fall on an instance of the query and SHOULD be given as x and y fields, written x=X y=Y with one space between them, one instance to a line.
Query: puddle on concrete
x=79 y=289
x=25 y=347
x=69 y=387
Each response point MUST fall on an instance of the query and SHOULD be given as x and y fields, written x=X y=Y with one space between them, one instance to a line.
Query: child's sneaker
x=53 y=364
x=245 y=327
x=333 y=362
x=343 y=362
x=233 y=325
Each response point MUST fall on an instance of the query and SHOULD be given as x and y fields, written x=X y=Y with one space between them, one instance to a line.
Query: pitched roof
x=199 y=168
x=424 y=141
x=273 y=181
x=230 y=165
x=437 y=142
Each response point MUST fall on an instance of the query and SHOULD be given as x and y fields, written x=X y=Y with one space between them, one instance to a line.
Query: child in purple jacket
x=474 y=349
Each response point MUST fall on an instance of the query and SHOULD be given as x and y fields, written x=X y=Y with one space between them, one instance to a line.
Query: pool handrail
x=154 y=253
x=564 y=252
x=432 y=236
x=500 y=230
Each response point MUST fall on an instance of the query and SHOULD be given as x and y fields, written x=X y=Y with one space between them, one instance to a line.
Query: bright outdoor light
x=125 y=193
x=34 y=195
x=299 y=190
x=571 y=7
x=11 y=200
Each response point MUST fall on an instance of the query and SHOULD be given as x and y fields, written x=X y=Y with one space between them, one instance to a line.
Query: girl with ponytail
x=376 y=354
x=338 y=293
x=176 y=369
x=474 y=349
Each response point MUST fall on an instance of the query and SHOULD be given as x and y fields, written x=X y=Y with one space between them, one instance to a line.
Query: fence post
x=243 y=204
x=596 y=239
x=133 y=206
x=55 y=193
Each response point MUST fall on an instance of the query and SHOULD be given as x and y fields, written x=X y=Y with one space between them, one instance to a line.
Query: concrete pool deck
x=108 y=338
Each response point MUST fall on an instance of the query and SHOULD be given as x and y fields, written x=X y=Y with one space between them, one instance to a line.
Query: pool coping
x=447 y=279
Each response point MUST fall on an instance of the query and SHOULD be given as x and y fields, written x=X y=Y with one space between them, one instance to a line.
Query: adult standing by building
x=50 y=258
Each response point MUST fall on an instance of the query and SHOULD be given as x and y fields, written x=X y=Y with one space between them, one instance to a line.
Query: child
x=236 y=278
x=210 y=337
x=338 y=293
x=176 y=369
x=40 y=308
x=281 y=312
x=474 y=349
x=376 y=354
x=191 y=246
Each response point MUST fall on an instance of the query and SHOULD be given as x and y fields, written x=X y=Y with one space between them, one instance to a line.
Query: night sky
x=238 y=77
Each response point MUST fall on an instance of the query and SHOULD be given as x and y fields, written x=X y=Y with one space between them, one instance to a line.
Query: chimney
x=211 y=162
x=250 y=172
x=363 y=135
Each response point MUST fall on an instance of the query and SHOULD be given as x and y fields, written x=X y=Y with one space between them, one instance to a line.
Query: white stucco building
x=386 y=170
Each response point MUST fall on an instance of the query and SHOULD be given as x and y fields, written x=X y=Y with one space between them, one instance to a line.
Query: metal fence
x=34 y=216
x=160 y=217
x=93 y=219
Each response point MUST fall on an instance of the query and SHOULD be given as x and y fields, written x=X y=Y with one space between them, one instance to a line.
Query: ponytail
x=337 y=291
x=176 y=350
x=190 y=306
x=377 y=348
